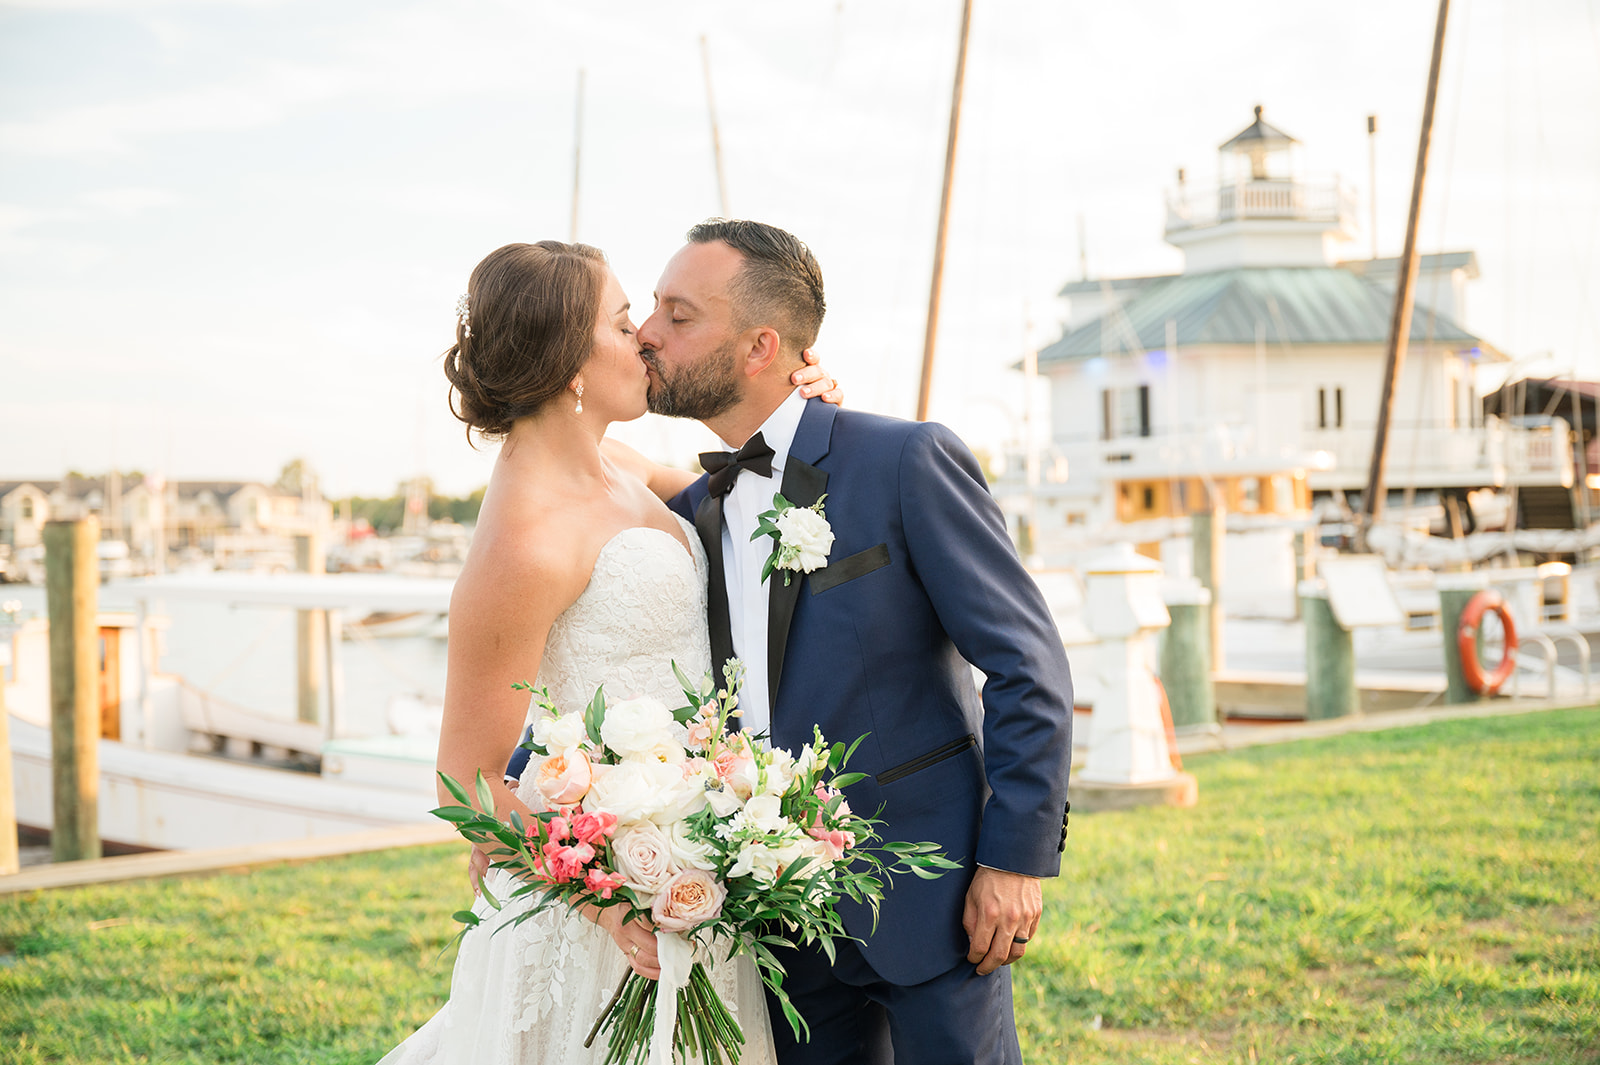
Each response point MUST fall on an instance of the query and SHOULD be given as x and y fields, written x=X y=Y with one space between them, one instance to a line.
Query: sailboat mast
x=944 y=219
x=1400 y=322
x=716 y=137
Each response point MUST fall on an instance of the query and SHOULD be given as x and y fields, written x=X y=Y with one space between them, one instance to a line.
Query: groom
x=920 y=581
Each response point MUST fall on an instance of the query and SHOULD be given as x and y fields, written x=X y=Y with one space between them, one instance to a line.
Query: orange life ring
x=1467 y=643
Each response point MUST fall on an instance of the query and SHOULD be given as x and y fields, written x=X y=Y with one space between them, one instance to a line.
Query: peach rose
x=688 y=900
x=565 y=778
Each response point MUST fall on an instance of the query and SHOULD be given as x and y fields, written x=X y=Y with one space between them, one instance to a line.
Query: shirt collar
x=779 y=429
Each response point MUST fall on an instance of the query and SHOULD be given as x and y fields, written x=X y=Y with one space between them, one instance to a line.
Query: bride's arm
x=500 y=615
x=667 y=481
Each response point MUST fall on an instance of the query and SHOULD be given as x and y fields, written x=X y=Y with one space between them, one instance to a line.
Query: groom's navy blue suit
x=922 y=579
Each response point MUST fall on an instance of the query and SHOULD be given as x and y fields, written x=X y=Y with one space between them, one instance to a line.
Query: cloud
x=129 y=201
x=115 y=128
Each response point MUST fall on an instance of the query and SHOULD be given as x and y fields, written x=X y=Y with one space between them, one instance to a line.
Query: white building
x=1257 y=372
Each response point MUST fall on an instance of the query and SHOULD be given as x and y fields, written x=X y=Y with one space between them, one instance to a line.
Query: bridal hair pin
x=463 y=316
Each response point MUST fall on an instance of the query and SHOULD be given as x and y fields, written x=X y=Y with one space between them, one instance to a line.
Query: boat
x=180 y=768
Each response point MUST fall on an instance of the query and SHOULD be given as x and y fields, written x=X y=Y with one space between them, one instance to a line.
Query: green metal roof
x=1295 y=305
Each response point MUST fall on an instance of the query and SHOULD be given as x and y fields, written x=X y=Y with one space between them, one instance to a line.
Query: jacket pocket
x=921 y=762
x=849 y=568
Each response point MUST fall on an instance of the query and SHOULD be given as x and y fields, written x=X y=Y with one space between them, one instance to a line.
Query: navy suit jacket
x=922 y=579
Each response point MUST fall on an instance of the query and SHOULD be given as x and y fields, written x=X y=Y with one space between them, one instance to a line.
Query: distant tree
x=298 y=478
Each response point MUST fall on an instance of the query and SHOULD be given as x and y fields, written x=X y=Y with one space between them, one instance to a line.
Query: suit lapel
x=708 y=523
x=803 y=485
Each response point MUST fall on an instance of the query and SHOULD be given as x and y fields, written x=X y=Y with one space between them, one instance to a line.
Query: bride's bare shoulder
x=520 y=552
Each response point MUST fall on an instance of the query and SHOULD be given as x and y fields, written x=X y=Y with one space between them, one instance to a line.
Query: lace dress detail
x=529 y=995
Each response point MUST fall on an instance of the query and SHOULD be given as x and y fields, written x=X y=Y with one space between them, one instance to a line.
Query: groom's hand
x=1001 y=909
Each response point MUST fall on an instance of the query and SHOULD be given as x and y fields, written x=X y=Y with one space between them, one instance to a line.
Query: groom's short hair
x=779 y=284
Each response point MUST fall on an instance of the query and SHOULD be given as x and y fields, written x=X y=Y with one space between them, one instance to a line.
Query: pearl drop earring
x=579 y=390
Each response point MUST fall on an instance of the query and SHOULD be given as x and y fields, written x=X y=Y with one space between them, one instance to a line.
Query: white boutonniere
x=802 y=537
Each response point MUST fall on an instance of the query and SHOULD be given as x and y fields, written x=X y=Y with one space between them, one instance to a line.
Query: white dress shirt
x=742 y=559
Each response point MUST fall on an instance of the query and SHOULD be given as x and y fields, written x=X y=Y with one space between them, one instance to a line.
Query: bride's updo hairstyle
x=527 y=331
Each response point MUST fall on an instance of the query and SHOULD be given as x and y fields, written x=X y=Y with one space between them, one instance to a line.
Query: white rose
x=757 y=861
x=763 y=863
x=689 y=853
x=561 y=733
x=639 y=791
x=764 y=812
x=644 y=855
x=807 y=531
x=635 y=728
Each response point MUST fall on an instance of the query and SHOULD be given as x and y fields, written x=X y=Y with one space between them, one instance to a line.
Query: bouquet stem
x=622 y=986
x=704 y=1028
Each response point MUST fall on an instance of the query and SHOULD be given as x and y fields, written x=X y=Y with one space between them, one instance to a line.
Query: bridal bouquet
x=726 y=846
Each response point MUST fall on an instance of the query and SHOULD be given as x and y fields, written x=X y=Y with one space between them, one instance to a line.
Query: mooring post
x=1209 y=531
x=1186 y=655
x=72 y=590
x=310 y=632
x=1330 y=657
x=1455 y=591
x=9 y=862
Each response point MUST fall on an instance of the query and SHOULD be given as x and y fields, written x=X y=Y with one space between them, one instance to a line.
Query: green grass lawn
x=1422 y=895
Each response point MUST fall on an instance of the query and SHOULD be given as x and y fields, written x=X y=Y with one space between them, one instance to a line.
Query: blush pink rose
x=565 y=778
x=643 y=854
x=688 y=900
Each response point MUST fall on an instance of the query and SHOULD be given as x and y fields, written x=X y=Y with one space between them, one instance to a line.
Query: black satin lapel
x=803 y=485
x=708 y=523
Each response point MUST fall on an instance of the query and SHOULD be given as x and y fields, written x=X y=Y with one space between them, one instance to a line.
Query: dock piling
x=310 y=627
x=1209 y=531
x=72 y=586
x=9 y=860
x=1186 y=655
x=1455 y=592
x=1330 y=657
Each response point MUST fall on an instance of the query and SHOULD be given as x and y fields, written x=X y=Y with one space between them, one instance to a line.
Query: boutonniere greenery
x=801 y=537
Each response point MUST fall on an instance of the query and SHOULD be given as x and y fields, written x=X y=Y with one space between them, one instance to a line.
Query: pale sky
x=232 y=233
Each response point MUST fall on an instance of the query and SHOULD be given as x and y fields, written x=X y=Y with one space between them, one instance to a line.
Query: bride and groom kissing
x=591 y=565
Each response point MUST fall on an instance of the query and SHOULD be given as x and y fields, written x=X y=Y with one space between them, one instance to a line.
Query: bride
x=578 y=576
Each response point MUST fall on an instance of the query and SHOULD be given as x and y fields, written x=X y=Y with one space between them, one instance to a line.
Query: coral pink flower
x=594 y=828
x=603 y=883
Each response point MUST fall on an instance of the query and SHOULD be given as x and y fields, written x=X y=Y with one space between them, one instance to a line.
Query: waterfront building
x=153 y=516
x=1255 y=374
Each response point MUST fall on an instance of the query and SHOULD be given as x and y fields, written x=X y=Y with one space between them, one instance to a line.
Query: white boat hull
x=172 y=801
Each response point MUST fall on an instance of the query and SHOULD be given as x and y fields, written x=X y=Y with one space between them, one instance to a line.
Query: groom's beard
x=704 y=390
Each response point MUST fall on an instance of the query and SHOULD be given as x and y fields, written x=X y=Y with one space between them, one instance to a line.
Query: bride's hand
x=815 y=381
x=636 y=939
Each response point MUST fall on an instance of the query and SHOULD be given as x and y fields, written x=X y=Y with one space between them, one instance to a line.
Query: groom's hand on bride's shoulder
x=1001 y=915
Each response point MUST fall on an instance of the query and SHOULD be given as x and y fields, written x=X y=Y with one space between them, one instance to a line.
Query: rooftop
x=1294 y=305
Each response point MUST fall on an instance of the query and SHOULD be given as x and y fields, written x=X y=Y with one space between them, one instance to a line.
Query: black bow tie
x=724 y=466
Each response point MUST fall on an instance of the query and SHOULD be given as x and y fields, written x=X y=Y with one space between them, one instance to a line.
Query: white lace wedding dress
x=529 y=995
